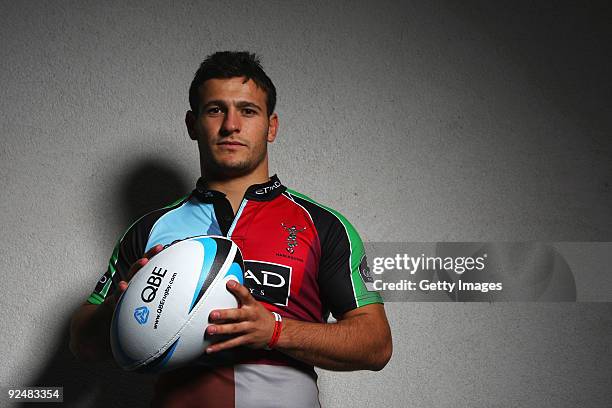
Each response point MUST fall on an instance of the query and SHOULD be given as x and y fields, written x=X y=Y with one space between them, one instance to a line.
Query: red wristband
x=278 y=325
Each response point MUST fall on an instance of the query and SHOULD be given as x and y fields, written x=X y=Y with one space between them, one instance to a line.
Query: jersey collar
x=258 y=192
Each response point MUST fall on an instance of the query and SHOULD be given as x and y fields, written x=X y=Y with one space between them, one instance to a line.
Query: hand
x=111 y=301
x=251 y=323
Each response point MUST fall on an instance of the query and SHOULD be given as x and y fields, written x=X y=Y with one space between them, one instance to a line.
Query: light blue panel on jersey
x=190 y=219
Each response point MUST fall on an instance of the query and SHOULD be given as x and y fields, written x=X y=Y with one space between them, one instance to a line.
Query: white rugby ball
x=160 y=320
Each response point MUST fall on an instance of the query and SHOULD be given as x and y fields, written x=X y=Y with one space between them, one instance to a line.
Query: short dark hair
x=232 y=64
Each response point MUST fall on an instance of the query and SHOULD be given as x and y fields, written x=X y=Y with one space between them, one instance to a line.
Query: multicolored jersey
x=302 y=260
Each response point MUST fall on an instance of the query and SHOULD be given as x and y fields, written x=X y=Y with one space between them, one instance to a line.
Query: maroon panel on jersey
x=281 y=250
x=195 y=387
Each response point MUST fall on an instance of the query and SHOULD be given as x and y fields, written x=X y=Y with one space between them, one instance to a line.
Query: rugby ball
x=159 y=322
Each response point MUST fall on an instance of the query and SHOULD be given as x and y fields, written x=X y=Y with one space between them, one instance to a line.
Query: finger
x=154 y=251
x=241 y=292
x=113 y=298
x=230 y=328
x=136 y=266
x=227 y=315
x=224 y=345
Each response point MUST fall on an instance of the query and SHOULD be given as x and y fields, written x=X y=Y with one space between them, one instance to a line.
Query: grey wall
x=420 y=121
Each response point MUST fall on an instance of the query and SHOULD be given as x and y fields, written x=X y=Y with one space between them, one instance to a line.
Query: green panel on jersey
x=95 y=299
x=362 y=295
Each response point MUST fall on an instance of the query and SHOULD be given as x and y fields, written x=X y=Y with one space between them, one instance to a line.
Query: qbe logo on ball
x=180 y=287
x=141 y=314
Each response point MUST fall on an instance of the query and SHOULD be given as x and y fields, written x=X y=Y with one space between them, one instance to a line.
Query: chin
x=225 y=170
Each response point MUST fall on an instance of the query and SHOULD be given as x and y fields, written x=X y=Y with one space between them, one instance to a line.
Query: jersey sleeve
x=344 y=279
x=345 y=282
x=130 y=247
x=127 y=251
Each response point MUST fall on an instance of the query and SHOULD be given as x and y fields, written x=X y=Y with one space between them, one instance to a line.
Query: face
x=232 y=128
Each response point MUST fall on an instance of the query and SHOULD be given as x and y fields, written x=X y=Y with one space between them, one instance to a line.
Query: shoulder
x=326 y=219
x=142 y=225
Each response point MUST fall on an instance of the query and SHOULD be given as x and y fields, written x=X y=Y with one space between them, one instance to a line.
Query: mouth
x=230 y=143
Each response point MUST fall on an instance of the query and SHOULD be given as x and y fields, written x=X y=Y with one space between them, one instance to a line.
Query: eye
x=214 y=110
x=249 y=111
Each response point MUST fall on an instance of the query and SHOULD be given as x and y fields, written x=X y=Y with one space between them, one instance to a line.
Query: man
x=314 y=252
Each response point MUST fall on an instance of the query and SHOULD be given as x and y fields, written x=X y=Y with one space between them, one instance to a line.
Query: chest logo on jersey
x=266 y=190
x=268 y=282
x=292 y=237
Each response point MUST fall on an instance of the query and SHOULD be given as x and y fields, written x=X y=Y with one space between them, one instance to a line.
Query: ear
x=272 y=127
x=190 y=122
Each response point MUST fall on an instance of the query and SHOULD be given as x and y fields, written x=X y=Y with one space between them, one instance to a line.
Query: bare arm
x=90 y=324
x=361 y=340
x=89 y=331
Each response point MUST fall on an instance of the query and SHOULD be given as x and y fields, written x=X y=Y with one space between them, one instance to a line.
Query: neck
x=235 y=188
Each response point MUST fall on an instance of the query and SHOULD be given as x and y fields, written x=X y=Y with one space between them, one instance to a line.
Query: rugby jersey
x=302 y=260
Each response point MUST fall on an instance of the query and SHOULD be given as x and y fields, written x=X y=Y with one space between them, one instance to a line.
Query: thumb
x=242 y=294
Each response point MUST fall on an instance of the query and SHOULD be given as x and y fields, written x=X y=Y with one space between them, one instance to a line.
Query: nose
x=231 y=123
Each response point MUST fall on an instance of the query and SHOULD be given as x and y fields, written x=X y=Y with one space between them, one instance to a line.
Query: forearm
x=351 y=344
x=90 y=324
x=89 y=332
x=361 y=340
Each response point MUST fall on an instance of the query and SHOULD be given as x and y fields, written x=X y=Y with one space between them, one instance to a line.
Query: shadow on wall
x=147 y=185
x=99 y=385
x=150 y=184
